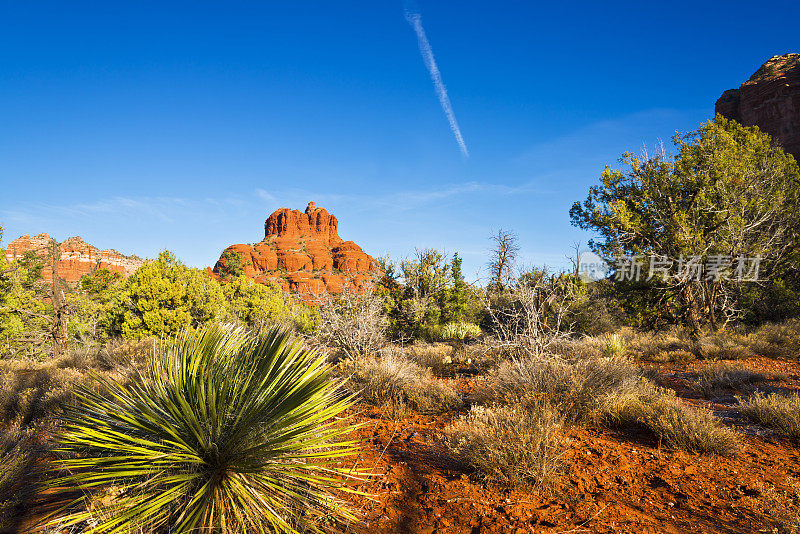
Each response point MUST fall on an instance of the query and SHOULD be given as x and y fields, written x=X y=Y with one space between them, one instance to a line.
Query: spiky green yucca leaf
x=225 y=432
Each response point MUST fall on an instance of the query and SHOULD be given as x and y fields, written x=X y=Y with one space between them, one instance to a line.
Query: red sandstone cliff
x=302 y=252
x=77 y=257
x=770 y=99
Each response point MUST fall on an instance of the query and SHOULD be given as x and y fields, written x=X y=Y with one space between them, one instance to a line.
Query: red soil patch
x=611 y=482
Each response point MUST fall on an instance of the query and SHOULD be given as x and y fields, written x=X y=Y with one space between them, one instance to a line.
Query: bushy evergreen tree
x=163 y=296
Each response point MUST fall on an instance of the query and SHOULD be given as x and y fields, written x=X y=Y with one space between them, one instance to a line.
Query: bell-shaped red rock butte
x=302 y=252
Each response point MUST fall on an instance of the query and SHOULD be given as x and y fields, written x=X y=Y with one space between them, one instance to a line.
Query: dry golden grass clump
x=508 y=444
x=572 y=387
x=31 y=391
x=32 y=397
x=399 y=384
x=587 y=347
x=723 y=345
x=611 y=392
x=672 y=345
x=777 y=340
x=32 y=394
x=434 y=356
x=778 y=412
x=652 y=345
x=16 y=459
x=715 y=378
x=675 y=345
x=676 y=425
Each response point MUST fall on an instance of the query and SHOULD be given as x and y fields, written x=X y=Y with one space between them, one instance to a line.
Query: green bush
x=165 y=296
x=260 y=305
x=224 y=432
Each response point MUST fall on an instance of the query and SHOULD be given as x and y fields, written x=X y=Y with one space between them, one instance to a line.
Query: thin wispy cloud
x=425 y=49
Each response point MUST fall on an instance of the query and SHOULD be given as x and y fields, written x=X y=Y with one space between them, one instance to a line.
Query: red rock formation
x=77 y=257
x=770 y=99
x=302 y=252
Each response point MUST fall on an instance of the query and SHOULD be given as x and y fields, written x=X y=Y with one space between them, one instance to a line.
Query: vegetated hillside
x=76 y=257
x=770 y=99
x=301 y=251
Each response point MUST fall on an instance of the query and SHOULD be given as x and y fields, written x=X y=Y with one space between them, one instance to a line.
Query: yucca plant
x=613 y=346
x=225 y=432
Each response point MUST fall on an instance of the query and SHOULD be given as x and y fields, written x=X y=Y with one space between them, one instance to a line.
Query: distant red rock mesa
x=77 y=257
x=302 y=252
x=770 y=99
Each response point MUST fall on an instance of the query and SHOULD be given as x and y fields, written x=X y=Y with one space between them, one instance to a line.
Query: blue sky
x=149 y=125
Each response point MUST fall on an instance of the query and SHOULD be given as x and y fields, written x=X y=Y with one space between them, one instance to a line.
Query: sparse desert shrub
x=573 y=387
x=16 y=456
x=723 y=345
x=718 y=376
x=659 y=346
x=398 y=384
x=529 y=315
x=780 y=340
x=225 y=432
x=676 y=425
x=434 y=356
x=690 y=429
x=778 y=412
x=354 y=323
x=594 y=315
x=125 y=353
x=32 y=391
x=508 y=444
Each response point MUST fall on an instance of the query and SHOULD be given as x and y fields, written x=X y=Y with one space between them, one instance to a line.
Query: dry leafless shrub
x=32 y=395
x=526 y=318
x=354 y=323
x=778 y=412
x=508 y=444
x=777 y=340
x=713 y=379
x=398 y=384
x=676 y=425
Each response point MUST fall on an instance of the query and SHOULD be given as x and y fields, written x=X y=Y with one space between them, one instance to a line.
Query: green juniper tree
x=726 y=193
x=164 y=296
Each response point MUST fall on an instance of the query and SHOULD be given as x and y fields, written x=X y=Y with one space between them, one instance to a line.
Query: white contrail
x=427 y=55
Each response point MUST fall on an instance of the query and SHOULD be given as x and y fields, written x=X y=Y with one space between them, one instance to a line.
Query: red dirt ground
x=611 y=482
